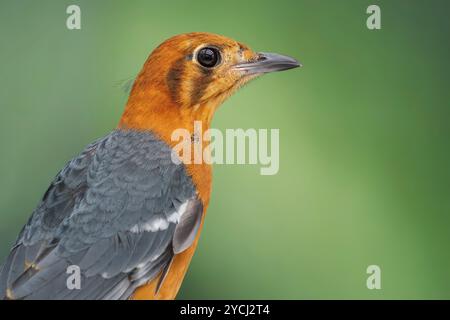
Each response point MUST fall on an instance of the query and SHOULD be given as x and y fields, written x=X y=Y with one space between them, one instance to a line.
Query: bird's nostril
x=258 y=58
x=261 y=57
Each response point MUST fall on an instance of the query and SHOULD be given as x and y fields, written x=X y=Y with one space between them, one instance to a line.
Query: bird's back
x=115 y=212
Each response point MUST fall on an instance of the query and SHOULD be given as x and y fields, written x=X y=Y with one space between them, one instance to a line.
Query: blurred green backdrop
x=364 y=135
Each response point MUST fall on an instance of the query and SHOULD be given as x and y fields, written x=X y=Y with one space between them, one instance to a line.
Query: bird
x=123 y=211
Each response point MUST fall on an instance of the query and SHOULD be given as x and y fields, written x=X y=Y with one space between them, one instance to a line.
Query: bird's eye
x=208 y=57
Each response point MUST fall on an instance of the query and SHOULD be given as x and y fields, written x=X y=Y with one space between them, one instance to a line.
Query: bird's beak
x=268 y=62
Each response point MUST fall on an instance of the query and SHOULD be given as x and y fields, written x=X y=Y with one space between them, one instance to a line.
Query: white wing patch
x=157 y=223
x=176 y=216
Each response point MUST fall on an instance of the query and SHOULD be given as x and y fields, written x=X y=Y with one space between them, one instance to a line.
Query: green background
x=364 y=136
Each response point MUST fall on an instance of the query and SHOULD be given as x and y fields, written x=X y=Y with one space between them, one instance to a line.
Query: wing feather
x=113 y=211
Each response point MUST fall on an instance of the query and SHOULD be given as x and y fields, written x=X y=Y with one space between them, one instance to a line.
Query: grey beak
x=268 y=62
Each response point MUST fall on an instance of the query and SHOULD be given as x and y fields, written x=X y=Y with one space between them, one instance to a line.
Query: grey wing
x=116 y=214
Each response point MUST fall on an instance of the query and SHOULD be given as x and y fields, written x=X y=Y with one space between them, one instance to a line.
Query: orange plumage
x=166 y=97
x=123 y=209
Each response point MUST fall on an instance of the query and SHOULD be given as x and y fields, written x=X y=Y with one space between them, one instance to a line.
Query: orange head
x=188 y=76
x=183 y=82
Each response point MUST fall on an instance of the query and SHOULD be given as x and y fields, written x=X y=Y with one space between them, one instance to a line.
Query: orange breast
x=154 y=110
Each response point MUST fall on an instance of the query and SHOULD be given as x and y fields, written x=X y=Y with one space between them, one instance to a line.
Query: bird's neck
x=153 y=110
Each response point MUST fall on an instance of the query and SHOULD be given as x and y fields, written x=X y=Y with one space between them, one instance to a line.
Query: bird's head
x=188 y=76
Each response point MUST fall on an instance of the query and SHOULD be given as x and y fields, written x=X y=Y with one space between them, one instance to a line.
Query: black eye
x=208 y=57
